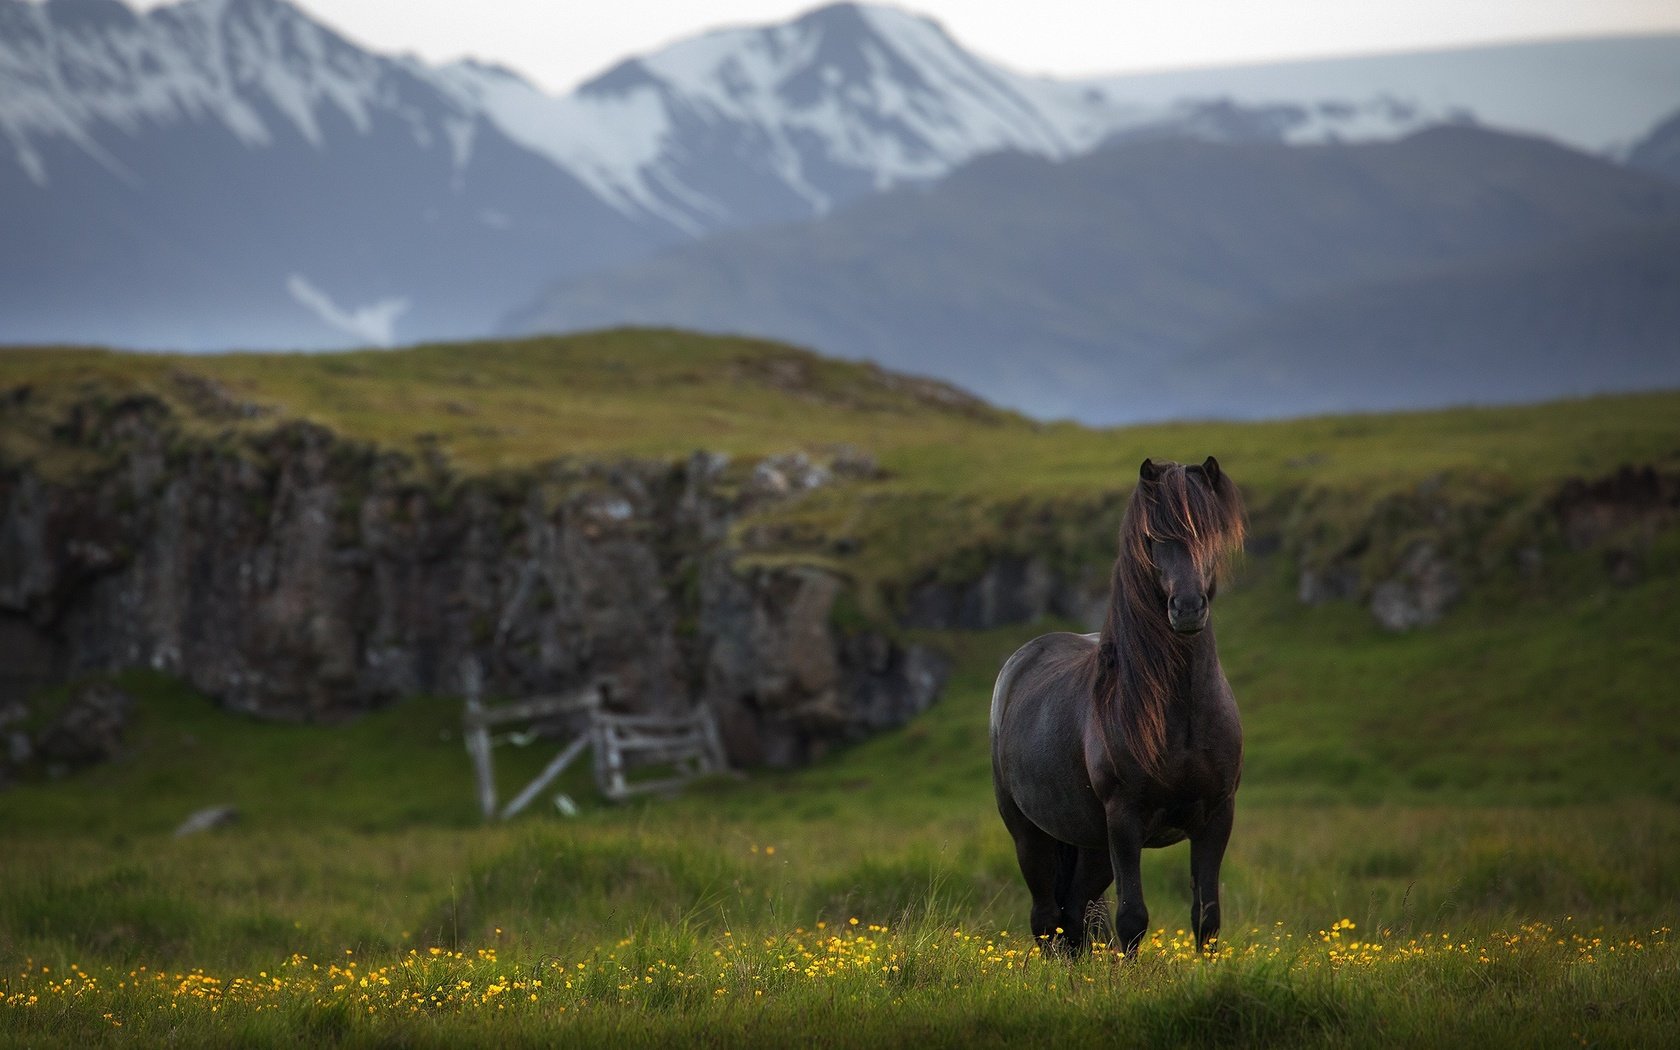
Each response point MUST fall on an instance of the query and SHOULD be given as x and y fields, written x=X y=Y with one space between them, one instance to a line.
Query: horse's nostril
x=1188 y=603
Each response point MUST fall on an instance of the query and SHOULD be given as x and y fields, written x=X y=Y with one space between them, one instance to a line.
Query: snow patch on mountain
x=70 y=71
x=374 y=323
x=612 y=145
x=1596 y=95
x=873 y=90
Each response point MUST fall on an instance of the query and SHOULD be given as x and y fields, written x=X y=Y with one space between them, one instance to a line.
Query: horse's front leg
x=1207 y=852
x=1125 y=848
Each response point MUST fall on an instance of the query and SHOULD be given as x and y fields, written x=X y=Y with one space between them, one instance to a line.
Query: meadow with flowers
x=1462 y=835
x=858 y=984
x=870 y=899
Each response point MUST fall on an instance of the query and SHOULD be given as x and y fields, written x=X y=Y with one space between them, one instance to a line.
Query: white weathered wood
x=619 y=742
x=613 y=756
x=654 y=721
x=536 y=707
x=550 y=771
x=477 y=738
x=689 y=742
x=516 y=603
x=642 y=787
x=688 y=739
x=714 y=759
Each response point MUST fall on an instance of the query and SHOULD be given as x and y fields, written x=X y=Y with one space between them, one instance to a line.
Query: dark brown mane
x=1139 y=658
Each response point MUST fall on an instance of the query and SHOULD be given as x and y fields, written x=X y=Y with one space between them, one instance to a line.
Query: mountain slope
x=784 y=121
x=1597 y=95
x=229 y=172
x=1074 y=288
x=1597 y=314
x=1659 y=151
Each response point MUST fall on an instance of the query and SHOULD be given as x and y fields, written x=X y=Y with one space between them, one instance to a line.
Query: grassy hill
x=954 y=470
x=1492 y=803
x=660 y=393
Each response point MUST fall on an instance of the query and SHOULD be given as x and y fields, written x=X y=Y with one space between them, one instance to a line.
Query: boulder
x=208 y=819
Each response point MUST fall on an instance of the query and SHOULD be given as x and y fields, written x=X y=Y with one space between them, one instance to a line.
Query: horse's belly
x=1164 y=836
x=1068 y=817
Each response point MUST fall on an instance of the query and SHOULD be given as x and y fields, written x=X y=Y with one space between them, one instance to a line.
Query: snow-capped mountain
x=222 y=173
x=217 y=173
x=787 y=120
x=742 y=126
x=78 y=69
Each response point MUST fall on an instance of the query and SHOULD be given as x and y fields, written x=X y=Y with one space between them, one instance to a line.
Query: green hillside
x=665 y=393
x=1491 y=804
x=955 y=472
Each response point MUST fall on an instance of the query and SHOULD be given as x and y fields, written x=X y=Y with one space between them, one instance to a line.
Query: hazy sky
x=559 y=43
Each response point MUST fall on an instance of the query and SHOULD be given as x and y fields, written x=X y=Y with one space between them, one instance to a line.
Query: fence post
x=477 y=735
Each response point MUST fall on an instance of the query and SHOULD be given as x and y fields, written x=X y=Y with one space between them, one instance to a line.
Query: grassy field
x=1464 y=834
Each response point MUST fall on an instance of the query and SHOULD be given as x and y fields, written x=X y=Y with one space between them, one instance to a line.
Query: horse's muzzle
x=1187 y=614
x=1188 y=624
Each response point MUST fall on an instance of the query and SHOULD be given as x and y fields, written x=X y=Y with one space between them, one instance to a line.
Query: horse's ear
x=1210 y=467
x=1149 y=471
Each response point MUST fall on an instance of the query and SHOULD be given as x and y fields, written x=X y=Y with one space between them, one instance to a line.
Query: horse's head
x=1184 y=524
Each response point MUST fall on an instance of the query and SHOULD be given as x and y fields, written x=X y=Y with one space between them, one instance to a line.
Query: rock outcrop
x=1010 y=590
x=290 y=573
x=294 y=574
x=1411 y=557
x=88 y=726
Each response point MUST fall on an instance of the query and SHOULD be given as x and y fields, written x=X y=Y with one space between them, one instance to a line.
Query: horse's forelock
x=1185 y=505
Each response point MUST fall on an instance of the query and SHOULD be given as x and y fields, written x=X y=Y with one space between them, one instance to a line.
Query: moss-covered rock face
x=290 y=573
x=1411 y=556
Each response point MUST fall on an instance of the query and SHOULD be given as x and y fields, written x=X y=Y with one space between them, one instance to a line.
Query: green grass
x=1506 y=778
x=1535 y=985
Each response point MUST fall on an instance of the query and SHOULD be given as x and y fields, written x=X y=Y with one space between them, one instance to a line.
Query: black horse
x=1103 y=744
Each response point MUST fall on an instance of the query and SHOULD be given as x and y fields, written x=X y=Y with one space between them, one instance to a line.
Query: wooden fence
x=687 y=746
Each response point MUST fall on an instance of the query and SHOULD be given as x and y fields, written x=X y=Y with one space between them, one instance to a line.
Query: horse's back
x=1039 y=707
x=1062 y=646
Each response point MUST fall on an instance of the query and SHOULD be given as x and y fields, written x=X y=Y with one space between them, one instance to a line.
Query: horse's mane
x=1139 y=658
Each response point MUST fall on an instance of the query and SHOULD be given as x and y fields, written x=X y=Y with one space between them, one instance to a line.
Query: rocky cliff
x=291 y=573
x=1411 y=555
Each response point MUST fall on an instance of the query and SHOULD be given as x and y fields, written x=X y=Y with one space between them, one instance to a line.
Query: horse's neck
x=1195 y=663
x=1200 y=668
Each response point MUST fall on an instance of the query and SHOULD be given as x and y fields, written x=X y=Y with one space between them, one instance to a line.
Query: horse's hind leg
x=1048 y=867
x=1084 y=907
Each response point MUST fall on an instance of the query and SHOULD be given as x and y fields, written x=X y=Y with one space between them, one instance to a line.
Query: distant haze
x=558 y=44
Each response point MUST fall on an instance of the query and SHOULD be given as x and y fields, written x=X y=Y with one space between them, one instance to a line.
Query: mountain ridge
x=234 y=173
x=1075 y=288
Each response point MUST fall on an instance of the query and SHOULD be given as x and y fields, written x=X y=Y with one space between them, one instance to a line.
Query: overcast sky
x=559 y=43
